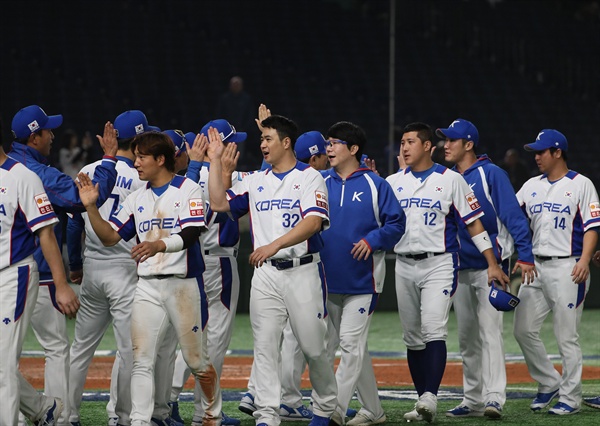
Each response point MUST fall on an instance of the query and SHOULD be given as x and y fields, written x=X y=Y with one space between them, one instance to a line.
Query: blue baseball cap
x=190 y=137
x=178 y=138
x=31 y=119
x=502 y=300
x=460 y=129
x=548 y=138
x=154 y=129
x=131 y=123
x=309 y=144
x=227 y=131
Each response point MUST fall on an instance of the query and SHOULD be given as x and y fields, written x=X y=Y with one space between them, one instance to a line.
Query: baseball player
x=26 y=215
x=427 y=259
x=563 y=210
x=221 y=278
x=479 y=323
x=167 y=217
x=32 y=131
x=106 y=293
x=366 y=220
x=288 y=207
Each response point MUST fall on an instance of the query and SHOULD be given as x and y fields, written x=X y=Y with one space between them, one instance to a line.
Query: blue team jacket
x=361 y=207
x=503 y=216
x=62 y=191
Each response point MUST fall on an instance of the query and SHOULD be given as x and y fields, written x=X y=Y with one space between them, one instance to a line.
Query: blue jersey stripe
x=23 y=277
x=226 y=281
x=203 y=302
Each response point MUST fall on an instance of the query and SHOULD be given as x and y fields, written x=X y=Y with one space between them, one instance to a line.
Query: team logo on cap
x=33 y=126
x=472 y=200
x=314 y=150
x=43 y=203
x=196 y=207
x=139 y=129
x=321 y=199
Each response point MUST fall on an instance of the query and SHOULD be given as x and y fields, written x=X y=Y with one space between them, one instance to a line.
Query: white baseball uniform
x=170 y=293
x=560 y=213
x=289 y=285
x=221 y=283
x=106 y=294
x=24 y=209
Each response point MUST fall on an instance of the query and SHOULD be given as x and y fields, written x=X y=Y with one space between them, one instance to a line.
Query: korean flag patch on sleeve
x=43 y=203
x=196 y=207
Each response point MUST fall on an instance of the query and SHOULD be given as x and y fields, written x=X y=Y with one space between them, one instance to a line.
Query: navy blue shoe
x=50 y=416
x=592 y=402
x=542 y=400
x=562 y=409
x=175 y=411
x=319 y=421
x=229 y=421
x=351 y=412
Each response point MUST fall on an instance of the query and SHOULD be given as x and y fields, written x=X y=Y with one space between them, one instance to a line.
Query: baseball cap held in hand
x=502 y=300
x=31 y=119
x=548 y=138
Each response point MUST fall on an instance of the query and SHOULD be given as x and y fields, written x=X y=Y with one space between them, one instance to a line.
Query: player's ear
x=353 y=149
x=287 y=142
x=160 y=160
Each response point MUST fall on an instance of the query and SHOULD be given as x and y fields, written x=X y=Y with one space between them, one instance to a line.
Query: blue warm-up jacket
x=504 y=220
x=62 y=191
x=361 y=207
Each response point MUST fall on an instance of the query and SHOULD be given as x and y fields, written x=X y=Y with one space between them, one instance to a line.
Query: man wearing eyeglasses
x=366 y=220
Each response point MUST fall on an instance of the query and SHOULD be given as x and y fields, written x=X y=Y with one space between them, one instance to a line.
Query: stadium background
x=513 y=67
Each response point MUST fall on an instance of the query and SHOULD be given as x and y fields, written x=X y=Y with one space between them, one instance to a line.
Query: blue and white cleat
x=542 y=400
x=562 y=409
x=298 y=414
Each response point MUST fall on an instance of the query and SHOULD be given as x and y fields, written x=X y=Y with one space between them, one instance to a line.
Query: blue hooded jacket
x=504 y=219
x=361 y=207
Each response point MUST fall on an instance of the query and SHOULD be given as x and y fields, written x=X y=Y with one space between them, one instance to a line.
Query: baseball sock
x=417 y=367
x=435 y=360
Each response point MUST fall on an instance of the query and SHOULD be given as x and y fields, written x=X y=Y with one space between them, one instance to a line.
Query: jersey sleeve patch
x=43 y=203
x=321 y=199
x=196 y=207
x=472 y=200
x=595 y=209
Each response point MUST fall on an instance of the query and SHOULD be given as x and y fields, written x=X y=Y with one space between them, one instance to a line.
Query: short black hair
x=156 y=144
x=424 y=131
x=284 y=127
x=563 y=153
x=349 y=133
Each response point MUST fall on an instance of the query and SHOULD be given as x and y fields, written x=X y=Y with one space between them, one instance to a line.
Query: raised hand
x=215 y=146
x=370 y=163
x=108 y=141
x=88 y=192
x=263 y=112
x=230 y=158
x=198 y=150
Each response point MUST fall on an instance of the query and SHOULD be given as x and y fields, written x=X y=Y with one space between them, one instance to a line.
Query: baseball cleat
x=493 y=410
x=229 y=421
x=51 y=415
x=336 y=419
x=319 y=421
x=592 y=402
x=351 y=412
x=174 y=406
x=298 y=414
x=463 y=410
x=427 y=406
x=542 y=400
x=363 y=419
x=562 y=409
x=247 y=404
x=113 y=421
x=169 y=421
x=413 y=416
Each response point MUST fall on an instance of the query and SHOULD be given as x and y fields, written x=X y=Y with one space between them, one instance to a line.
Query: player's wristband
x=173 y=243
x=482 y=241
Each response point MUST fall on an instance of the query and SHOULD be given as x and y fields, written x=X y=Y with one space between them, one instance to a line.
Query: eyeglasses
x=333 y=142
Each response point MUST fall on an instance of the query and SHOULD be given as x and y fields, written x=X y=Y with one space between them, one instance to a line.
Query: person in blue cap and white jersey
x=479 y=323
x=564 y=214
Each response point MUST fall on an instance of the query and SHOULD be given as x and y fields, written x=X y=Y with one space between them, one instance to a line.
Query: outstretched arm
x=89 y=195
x=216 y=188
